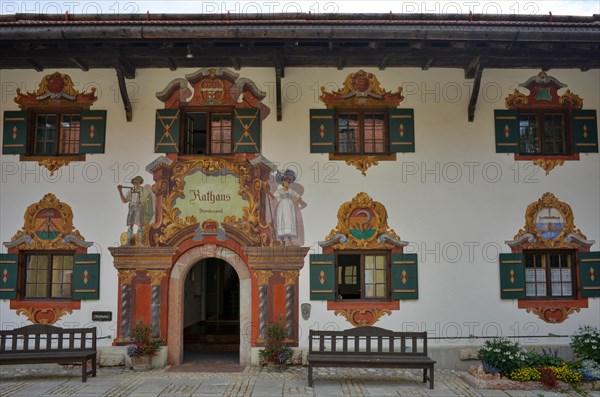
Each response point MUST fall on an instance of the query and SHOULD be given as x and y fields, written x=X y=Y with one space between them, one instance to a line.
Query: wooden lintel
x=383 y=63
x=341 y=62
x=235 y=61
x=475 y=93
x=172 y=65
x=427 y=64
x=471 y=70
x=36 y=65
x=80 y=64
x=126 y=67
x=124 y=95
x=278 y=75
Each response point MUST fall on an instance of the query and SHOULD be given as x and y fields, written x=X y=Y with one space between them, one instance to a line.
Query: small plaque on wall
x=101 y=316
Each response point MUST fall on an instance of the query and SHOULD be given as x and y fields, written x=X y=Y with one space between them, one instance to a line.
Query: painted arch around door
x=176 y=298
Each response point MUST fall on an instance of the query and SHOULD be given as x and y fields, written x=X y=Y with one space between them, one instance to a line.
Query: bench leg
x=424 y=375
x=310 y=375
x=84 y=370
x=431 y=378
x=94 y=366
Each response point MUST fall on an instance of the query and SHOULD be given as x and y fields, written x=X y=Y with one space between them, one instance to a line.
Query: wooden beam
x=36 y=65
x=383 y=63
x=475 y=93
x=80 y=64
x=235 y=61
x=427 y=64
x=124 y=95
x=278 y=75
x=471 y=70
x=172 y=65
x=126 y=67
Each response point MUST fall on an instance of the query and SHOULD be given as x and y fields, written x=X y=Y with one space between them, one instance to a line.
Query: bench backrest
x=44 y=337
x=368 y=340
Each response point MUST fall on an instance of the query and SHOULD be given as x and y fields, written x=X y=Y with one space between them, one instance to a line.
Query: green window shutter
x=322 y=131
x=506 y=124
x=405 y=280
x=246 y=131
x=322 y=277
x=166 y=131
x=93 y=131
x=14 y=137
x=512 y=276
x=589 y=274
x=86 y=276
x=9 y=268
x=585 y=131
x=401 y=130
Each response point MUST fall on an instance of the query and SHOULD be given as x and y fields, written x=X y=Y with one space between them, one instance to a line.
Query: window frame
x=209 y=111
x=545 y=255
x=539 y=114
x=361 y=275
x=361 y=112
x=23 y=282
x=58 y=112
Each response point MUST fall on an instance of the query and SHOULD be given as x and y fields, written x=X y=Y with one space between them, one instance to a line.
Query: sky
x=501 y=7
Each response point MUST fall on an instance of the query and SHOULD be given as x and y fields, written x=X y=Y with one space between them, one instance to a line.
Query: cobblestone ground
x=61 y=381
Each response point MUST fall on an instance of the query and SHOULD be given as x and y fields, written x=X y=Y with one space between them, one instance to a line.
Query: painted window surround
x=48 y=228
x=579 y=127
x=564 y=237
x=55 y=94
x=362 y=228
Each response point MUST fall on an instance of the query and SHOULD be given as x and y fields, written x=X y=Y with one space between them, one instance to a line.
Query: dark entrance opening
x=211 y=321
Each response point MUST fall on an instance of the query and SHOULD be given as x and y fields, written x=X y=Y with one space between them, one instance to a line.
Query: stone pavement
x=58 y=381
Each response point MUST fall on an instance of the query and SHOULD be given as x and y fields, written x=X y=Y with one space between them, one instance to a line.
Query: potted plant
x=143 y=346
x=276 y=353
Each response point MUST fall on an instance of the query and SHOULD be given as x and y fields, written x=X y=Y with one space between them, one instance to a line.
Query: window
x=543 y=133
x=55 y=133
x=215 y=130
x=207 y=132
x=48 y=275
x=361 y=132
x=362 y=276
x=549 y=274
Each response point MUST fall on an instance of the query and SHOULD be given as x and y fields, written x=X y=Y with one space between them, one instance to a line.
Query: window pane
x=36 y=276
x=380 y=291
x=348 y=133
x=369 y=262
x=529 y=141
x=62 y=272
x=554 y=135
x=45 y=131
x=369 y=291
x=220 y=133
x=374 y=133
x=69 y=134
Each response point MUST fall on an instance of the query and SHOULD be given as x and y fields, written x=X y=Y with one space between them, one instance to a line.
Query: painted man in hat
x=140 y=208
x=287 y=200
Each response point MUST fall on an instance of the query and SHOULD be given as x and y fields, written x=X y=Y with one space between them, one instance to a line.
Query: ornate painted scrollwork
x=362 y=221
x=46 y=223
x=553 y=314
x=361 y=89
x=362 y=163
x=548 y=164
x=563 y=225
x=44 y=315
x=55 y=89
x=362 y=317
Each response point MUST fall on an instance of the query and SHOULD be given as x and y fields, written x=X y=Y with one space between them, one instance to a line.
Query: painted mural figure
x=287 y=200
x=140 y=207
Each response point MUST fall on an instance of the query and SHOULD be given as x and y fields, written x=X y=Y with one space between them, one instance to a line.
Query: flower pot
x=276 y=367
x=143 y=363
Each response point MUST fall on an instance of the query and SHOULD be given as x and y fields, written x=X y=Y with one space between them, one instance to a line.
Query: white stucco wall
x=455 y=199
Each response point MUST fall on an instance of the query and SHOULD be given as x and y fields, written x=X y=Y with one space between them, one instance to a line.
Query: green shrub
x=548 y=358
x=586 y=343
x=275 y=351
x=502 y=355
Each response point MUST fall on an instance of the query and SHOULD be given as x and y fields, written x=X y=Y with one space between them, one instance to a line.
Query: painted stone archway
x=176 y=298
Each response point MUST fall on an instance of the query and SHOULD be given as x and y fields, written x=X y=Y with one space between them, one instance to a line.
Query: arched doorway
x=205 y=255
x=211 y=311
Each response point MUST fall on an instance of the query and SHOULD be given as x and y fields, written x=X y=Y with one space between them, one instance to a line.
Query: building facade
x=217 y=199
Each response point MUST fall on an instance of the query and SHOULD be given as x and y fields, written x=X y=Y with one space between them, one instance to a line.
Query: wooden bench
x=371 y=347
x=42 y=343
